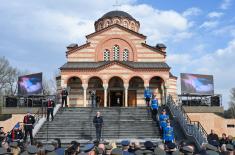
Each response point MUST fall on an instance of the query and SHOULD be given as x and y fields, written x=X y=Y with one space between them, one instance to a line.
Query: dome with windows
x=117 y=17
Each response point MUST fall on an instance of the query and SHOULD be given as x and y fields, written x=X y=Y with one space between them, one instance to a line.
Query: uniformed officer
x=28 y=121
x=168 y=134
x=64 y=95
x=50 y=109
x=154 y=107
x=98 y=123
x=147 y=95
x=163 y=120
x=125 y=147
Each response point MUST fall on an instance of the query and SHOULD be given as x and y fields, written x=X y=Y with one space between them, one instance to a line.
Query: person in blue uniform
x=168 y=134
x=50 y=109
x=98 y=123
x=147 y=95
x=163 y=120
x=154 y=108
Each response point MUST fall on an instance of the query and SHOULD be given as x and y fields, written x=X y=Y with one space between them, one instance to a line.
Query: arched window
x=100 y=26
x=106 y=55
x=116 y=52
x=125 y=24
x=125 y=55
x=107 y=23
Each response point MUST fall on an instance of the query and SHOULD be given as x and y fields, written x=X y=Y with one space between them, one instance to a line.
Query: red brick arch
x=67 y=79
x=119 y=40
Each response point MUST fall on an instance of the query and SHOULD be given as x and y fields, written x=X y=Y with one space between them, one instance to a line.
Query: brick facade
x=127 y=39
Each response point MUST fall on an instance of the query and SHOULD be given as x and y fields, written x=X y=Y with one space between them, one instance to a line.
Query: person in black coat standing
x=50 y=109
x=28 y=121
x=64 y=95
x=98 y=123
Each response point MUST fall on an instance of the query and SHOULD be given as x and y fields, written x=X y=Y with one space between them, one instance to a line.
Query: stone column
x=163 y=94
x=126 y=86
x=84 y=86
x=105 y=94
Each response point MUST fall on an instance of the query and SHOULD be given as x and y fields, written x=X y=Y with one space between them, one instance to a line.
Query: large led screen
x=197 y=84
x=30 y=84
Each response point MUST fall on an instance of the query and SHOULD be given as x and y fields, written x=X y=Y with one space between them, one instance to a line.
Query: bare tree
x=8 y=77
x=49 y=86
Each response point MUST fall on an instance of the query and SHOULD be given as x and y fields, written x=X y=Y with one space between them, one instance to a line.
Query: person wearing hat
x=89 y=148
x=16 y=134
x=125 y=146
x=147 y=96
x=98 y=123
x=28 y=121
x=168 y=134
x=50 y=109
x=154 y=108
x=64 y=94
x=163 y=120
x=149 y=146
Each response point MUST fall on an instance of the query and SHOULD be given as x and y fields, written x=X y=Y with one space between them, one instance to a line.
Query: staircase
x=119 y=123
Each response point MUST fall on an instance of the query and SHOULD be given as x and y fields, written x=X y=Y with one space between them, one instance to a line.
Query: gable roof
x=119 y=26
x=129 y=64
x=77 y=48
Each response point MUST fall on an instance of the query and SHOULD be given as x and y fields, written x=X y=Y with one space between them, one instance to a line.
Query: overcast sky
x=199 y=34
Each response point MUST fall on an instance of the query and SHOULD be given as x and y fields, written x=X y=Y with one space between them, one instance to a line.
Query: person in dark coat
x=98 y=123
x=50 y=109
x=213 y=139
x=16 y=134
x=223 y=140
x=28 y=121
x=64 y=95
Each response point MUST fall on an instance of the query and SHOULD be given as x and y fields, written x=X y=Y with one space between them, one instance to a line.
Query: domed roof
x=116 y=13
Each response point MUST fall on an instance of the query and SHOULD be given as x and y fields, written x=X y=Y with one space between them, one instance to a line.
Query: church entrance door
x=116 y=98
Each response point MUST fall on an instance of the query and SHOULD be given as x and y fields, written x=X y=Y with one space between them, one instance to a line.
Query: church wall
x=172 y=87
x=142 y=54
x=76 y=97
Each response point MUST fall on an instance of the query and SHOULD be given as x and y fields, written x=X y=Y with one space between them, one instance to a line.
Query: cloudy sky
x=199 y=34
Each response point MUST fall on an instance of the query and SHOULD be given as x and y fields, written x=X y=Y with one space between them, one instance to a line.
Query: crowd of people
x=223 y=143
x=15 y=142
x=126 y=147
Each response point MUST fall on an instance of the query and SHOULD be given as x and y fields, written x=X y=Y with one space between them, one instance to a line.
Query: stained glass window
x=116 y=52
x=106 y=55
x=125 y=55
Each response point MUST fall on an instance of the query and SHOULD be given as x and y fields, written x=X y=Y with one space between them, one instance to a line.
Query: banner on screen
x=30 y=84
x=197 y=84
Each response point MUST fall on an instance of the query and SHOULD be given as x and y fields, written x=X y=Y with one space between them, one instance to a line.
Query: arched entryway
x=96 y=84
x=135 y=91
x=116 y=92
x=157 y=85
x=75 y=90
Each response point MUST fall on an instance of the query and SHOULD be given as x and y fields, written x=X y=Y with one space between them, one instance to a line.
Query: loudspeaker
x=11 y=102
x=215 y=101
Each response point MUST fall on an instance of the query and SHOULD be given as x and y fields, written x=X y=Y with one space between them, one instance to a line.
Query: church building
x=118 y=64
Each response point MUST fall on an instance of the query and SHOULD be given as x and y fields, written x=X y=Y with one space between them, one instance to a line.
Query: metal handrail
x=191 y=128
